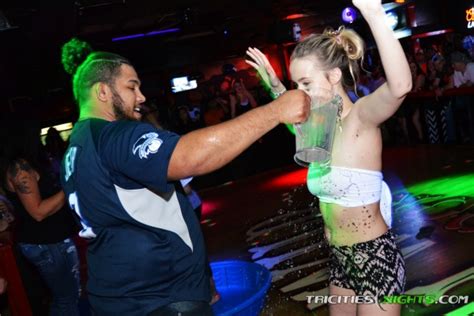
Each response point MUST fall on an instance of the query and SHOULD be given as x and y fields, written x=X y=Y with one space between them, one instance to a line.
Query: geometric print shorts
x=375 y=267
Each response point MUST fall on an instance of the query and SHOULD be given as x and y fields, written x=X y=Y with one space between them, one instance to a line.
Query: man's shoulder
x=125 y=128
x=130 y=134
x=125 y=125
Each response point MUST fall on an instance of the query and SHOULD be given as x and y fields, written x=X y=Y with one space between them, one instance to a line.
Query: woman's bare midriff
x=345 y=226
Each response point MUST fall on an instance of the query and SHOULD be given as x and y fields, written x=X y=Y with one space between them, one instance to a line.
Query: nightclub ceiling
x=159 y=35
x=164 y=34
x=99 y=21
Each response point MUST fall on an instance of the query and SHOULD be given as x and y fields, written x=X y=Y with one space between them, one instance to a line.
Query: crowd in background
x=436 y=71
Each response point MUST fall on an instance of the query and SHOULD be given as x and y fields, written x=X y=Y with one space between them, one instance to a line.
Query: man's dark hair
x=87 y=67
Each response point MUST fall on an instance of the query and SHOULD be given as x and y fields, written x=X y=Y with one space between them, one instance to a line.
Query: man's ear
x=101 y=91
x=334 y=75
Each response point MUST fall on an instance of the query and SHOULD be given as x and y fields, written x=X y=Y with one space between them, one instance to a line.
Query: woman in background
x=44 y=228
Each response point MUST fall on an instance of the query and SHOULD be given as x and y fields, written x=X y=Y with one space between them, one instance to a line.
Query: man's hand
x=292 y=107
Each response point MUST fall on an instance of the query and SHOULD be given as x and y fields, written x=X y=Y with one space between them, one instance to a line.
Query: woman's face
x=439 y=64
x=308 y=75
x=238 y=87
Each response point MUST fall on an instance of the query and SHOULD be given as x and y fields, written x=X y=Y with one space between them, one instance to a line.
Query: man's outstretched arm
x=205 y=150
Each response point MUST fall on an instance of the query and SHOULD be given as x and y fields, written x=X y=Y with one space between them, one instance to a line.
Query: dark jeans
x=58 y=265
x=184 y=308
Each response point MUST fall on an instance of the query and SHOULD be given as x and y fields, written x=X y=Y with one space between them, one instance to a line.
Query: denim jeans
x=58 y=265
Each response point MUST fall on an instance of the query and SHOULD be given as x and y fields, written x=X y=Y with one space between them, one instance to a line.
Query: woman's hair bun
x=349 y=40
x=73 y=53
x=352 y=43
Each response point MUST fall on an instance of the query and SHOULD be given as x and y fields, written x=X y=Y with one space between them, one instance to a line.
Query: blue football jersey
x=144 y=241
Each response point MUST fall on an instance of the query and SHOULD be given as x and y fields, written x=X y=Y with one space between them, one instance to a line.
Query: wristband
x=277 y=94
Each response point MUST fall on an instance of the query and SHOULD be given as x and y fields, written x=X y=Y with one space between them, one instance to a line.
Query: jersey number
x=86 y=231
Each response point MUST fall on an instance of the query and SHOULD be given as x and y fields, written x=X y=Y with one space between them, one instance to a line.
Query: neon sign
x=470 y=18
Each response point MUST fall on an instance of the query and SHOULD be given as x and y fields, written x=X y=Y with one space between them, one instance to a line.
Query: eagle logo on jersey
x=148 y=143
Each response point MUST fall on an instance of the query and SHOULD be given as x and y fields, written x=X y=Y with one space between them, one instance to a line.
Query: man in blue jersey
x=146 y=253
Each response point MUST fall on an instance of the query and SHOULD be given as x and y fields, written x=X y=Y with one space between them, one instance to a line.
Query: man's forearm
x=210 y=148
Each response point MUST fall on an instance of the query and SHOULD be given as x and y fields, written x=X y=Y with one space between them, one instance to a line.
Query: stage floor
x=272 y=217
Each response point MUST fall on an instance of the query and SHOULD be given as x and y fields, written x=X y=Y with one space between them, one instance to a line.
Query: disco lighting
x=349 y=15
x=392 y=19
x=152 y=33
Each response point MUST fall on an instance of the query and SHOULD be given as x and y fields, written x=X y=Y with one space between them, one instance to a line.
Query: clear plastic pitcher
x=314 y=138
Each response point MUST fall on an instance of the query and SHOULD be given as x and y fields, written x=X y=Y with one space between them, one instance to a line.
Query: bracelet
x=277 y=94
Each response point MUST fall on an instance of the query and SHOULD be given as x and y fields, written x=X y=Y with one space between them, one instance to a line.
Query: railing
x=446 y=93
x=446 y=118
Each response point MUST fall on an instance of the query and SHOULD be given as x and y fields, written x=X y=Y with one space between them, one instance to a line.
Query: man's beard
x=119 y=107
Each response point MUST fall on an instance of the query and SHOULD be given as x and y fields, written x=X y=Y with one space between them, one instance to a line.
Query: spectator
x=442 y=78
x=420 y=59
x=412 y=109
x=463 y=70
x=44 y=229
x=438 y=111
x=195 y=106
x=463 y=77
x=184 y=122
x=55 y=147
x=244 y=99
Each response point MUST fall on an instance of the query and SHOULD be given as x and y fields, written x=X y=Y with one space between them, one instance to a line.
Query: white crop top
x=351 y=187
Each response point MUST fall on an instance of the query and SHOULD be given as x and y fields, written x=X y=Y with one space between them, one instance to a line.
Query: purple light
x=349 y=15
x=152 y=33
x=121 y=38
x=162 y=32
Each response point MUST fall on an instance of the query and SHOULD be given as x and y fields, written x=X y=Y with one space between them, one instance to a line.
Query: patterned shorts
x=375 y=267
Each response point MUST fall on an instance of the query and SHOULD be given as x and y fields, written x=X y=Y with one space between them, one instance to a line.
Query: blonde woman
x=365 y=258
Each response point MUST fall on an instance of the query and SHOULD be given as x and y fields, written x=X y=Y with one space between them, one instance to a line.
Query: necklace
x=338 y=101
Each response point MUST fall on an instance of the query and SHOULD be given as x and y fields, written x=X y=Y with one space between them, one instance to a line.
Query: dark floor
x=433 y=209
